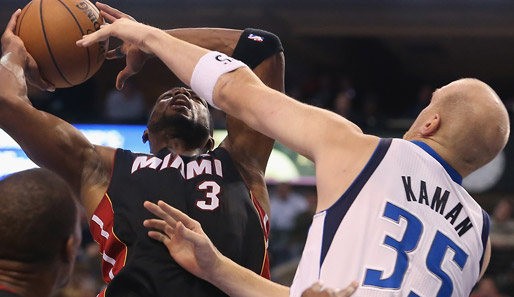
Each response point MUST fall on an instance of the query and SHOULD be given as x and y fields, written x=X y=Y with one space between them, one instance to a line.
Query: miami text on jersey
x=188 y=171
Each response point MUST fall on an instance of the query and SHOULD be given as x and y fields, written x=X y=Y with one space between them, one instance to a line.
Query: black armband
x=255 y=46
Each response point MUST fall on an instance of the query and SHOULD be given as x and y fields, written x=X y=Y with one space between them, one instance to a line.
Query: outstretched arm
x=48 y=141
x=192 y=249
x=338 y=147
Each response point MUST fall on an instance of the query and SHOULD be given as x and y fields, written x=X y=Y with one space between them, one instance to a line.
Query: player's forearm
x=13 y=87
x=216 y=39
x=237 y=281
x=241 y=94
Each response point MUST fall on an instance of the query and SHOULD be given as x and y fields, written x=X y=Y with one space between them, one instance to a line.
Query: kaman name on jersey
x=437 y=203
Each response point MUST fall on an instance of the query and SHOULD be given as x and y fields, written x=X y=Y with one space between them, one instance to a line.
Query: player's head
x=39 y=232
x=180 y=114
x=468 y=120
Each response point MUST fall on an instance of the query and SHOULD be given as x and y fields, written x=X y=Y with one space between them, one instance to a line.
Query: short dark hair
x=37 y=215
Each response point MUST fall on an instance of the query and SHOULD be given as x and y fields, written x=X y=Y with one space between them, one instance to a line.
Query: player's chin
x=179 y=110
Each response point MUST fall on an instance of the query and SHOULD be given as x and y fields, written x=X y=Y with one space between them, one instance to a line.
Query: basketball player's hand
x=317 y=290
x=135 y=58
x=184 y=238
x=130 y=32
x=17 y=60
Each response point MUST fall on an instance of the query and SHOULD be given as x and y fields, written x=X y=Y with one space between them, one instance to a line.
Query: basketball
x=50 y=28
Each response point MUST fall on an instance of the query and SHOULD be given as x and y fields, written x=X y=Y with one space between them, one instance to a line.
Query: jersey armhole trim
x=335 y=214
x=485 y=235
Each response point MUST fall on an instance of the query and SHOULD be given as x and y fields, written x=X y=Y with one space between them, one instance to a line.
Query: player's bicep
x=47 y=140
x=271 y=71
x=96 y=176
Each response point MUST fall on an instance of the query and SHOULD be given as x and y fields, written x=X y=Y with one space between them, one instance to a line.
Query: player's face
x=181 y=113
x=182 y=101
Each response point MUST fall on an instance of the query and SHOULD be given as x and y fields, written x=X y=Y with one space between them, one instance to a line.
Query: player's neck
x=179 y=146
x=446 y=153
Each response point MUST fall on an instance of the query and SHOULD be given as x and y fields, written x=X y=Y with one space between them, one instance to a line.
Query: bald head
x=466 y=121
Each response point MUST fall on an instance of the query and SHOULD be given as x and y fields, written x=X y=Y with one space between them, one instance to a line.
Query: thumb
x=35 y=78
x=317 y=286
x=124 y=74
x=348 y=291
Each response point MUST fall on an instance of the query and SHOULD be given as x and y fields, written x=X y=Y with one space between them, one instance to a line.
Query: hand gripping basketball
x=16 y=59
x=49 y=30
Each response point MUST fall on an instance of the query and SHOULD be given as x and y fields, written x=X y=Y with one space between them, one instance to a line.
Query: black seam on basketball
x=22 y=17
x=48 y=44
x=82 y=32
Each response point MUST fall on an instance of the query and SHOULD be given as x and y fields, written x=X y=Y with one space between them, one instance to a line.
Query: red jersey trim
x=113 y=250
x=3 y=288
x=265 y=270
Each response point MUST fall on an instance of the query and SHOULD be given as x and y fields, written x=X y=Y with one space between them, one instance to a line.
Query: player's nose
x=184 y=91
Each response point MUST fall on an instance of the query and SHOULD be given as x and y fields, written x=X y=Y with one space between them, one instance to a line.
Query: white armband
x=207 y=72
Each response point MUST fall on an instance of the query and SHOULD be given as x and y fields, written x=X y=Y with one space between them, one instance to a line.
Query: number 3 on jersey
x=211 y=200
x=441 y=243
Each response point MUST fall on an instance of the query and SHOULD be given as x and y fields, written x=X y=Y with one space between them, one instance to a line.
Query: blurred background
x=374 y=62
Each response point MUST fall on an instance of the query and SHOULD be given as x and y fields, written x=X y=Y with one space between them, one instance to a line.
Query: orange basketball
x=50 y=28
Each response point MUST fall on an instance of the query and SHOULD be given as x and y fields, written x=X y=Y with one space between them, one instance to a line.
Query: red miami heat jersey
x=208 y=188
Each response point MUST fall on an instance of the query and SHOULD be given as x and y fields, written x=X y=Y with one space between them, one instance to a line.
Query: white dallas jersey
x=404 y=228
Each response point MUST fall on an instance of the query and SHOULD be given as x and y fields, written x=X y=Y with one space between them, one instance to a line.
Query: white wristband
x=207 y=72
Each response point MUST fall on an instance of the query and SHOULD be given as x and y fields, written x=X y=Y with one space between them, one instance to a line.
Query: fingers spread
x=123 y=76
x=156 y=210
x=108 y=9
x=156 y=224
x=158 y=236
x=186 y=233
x=116 y=14
x=175 y=213
x=108 y=17
x=103 y=34
x=115 y=53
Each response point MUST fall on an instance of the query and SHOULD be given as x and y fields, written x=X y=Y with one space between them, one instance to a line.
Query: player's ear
x=70 y=251
x=431 y=126
x=145 y=136
x=209 y=146
x=72 y=244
